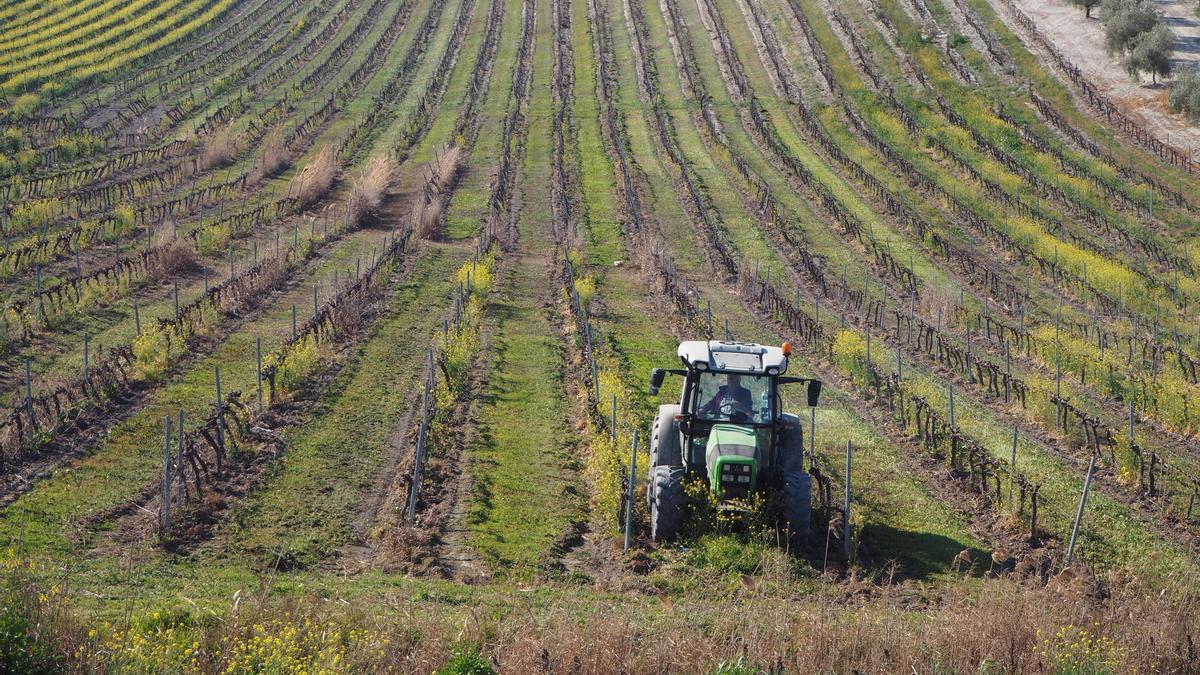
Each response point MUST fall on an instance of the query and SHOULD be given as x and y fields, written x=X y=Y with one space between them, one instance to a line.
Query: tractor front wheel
x=664 y=438
x=666 y=502
x=797 y=505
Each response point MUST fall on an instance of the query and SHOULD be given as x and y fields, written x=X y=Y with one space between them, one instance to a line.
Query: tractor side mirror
x=814 y=392
x=656 y=380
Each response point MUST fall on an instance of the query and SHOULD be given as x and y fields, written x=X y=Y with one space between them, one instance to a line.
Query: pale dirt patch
x=1082 y=42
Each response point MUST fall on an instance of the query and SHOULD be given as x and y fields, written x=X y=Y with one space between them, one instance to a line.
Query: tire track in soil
x=525 y=490
x=455 y=555
x=377 y=545
x=402 y=545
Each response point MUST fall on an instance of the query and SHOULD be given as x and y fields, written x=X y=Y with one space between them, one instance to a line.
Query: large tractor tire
x=797 y=506
x=791 y=444
x=664 y=438
x=667 y=502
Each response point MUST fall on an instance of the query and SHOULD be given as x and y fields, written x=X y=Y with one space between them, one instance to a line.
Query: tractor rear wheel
x=664 y=438
x=797 y=505
x=666 y=502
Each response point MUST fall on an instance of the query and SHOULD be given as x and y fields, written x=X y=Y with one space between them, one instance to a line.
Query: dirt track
x=1082 y=41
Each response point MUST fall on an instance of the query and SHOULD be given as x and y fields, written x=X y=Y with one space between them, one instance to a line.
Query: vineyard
x=326 y=326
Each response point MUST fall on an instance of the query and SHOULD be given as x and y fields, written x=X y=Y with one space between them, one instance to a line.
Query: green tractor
x=729 y=429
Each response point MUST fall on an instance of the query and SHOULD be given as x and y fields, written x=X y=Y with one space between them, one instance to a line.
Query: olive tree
x=1184 y=93
x=1151 y=53
x=1124 y=21
x=1087 y=6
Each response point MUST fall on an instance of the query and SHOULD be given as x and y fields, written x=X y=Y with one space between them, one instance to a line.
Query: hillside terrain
x=326 y=328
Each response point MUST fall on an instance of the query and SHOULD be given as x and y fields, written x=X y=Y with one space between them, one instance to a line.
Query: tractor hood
x=733 y=458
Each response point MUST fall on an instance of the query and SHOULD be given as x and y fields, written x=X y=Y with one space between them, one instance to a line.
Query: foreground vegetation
x=432 y=248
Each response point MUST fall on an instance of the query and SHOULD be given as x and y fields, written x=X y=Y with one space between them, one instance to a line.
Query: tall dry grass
x=219 y=150
x=441 y=177
x=275 y=155
x=170 y=256
x=369 y=189
x=315 y=179
x=774 y=622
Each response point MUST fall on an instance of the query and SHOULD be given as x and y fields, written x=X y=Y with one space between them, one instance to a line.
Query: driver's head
x=734 y=381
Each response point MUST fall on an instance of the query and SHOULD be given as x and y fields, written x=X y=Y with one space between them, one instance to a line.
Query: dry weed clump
x=371 y=186
x=275 y=155
x=170 y=257
x=442 y=176
x=315 y=179
x=219 y=150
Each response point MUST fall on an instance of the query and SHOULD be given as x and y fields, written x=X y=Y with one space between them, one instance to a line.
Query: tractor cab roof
x=733 y=357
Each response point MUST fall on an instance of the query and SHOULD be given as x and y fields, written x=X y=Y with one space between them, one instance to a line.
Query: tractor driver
x=733 y=394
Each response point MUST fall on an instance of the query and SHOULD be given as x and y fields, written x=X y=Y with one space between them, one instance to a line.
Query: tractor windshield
x=734 y=397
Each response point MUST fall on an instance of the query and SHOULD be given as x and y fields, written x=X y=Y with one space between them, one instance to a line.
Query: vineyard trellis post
x=29 y=400
x=613 y=430
x=1012 y=466
x=419 y=451
x=1087 y=484
x=179 y=474
x=258 y=362
x=629 y=499
x=164 y=510
x=595 y=376
x=220 y=407
x=846 y=527
x=137 y=320
x=87 y=339
x=41 y=302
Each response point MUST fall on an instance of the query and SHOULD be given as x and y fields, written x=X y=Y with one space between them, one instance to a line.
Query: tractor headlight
x=772 y=370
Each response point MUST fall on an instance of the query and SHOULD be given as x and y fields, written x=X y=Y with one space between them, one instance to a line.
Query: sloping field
x=325 y=328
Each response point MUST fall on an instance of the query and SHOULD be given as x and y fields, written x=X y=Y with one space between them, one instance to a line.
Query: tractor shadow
x=920 y=555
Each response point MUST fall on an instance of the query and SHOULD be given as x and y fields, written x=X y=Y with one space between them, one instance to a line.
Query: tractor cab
x=729 y=426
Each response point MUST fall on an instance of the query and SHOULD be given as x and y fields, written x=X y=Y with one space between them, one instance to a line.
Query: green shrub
x=24 y=105
x=850 y=353
x=19 y=652
x=27 y=160
x=302 y=359
x=1183 y=96
x=467 y=661
x=740 y=666
x=727 y=553
x=11 y=140
x=32 y=216
x=152 y=351
x=585 y=286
